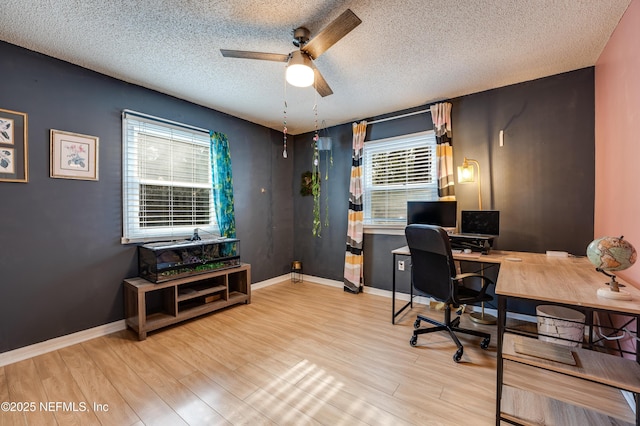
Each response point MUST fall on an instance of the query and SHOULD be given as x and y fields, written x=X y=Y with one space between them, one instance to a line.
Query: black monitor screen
x=485 y=222
x=440 y=213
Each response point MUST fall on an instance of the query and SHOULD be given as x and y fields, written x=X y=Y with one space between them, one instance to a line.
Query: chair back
x=432 y=264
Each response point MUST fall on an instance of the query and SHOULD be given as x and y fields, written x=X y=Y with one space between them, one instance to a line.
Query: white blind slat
x=167 y=188
x=398 y=170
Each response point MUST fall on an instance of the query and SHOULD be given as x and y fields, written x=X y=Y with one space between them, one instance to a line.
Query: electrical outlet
x=400 y=265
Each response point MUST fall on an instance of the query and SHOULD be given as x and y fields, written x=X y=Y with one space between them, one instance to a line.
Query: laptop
x=480 y=223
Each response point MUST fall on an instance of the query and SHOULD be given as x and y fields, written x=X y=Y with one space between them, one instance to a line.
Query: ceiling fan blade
x=321 y=84
x=338 y=28
x=278 y=57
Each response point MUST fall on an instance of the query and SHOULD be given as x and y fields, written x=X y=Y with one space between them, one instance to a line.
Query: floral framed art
x=14 y=158
x=74 y=156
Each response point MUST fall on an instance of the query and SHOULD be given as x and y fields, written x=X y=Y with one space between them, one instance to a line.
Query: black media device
x=480 y=222
x=439 y=213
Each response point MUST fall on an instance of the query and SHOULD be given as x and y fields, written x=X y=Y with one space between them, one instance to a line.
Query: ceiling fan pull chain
x=284 y=121
x=316 y=159
x=284 y=131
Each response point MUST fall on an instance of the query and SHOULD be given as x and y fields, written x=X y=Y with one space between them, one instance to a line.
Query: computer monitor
x=440 y=213
x=483 y=222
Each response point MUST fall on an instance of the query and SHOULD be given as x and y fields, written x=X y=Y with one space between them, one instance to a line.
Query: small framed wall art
x=14 y=158
x=74 y=156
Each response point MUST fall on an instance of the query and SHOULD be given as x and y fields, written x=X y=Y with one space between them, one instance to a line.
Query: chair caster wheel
x=416 y=324
x=485 y=343
x=458 y=355
x=455 y=322
x=413 y=341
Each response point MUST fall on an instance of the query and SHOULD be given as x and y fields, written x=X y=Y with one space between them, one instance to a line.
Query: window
x=167 y=188
x=397 y=170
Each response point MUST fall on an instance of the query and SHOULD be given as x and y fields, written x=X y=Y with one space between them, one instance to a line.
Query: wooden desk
x=563 y=280
x=592 y=387
x=530 y=389
x=559 y=280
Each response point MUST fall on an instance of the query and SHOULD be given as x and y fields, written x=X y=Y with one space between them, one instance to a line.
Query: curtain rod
x=163 y=120
x=400 y=116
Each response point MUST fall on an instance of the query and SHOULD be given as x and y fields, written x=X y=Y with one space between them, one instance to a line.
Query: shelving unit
x=585 y=389
x=150 y=306
x=594 y=383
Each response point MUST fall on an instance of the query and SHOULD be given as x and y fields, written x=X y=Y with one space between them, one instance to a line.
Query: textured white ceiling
x=404 y=54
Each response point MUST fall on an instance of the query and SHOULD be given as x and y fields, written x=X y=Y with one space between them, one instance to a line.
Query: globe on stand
x=610 y=254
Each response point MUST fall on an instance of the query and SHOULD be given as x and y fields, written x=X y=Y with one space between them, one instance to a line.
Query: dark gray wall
x=61 y=261
x=324 y=256
x=542 y=180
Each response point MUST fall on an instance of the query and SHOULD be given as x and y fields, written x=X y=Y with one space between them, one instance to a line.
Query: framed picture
x=74 y=156
x=14 y=158
x=6 y=131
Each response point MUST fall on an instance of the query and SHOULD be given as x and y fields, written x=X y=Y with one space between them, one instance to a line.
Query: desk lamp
x=466 y=175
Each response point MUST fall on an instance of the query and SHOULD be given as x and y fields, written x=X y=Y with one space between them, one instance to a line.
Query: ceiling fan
x=301 y=71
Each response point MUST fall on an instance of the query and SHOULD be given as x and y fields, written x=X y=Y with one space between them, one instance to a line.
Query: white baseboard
x=323 y=281
x=41 y=348
x=271 y=281
x=307 y=278
x=36 y=349
x=421 y=300
x=339 y=284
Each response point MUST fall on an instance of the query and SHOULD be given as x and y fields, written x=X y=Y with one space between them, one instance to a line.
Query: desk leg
x=394 y=314
x=502 y=322
x=393 y=291
x=637 y=353
x=636 y=395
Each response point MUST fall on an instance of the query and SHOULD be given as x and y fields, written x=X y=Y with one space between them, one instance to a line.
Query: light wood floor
x=298 y=354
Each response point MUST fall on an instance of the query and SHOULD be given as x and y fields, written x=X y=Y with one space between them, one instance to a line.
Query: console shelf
x=150 y=306
x=202 y=292
x=606 y=375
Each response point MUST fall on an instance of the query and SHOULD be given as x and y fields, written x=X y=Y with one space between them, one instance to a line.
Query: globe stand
x=613 y=291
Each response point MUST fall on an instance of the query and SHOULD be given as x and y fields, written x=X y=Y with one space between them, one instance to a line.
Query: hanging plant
x=319 y=144
x=324 y=144
x=315 y=188
x=306 y=184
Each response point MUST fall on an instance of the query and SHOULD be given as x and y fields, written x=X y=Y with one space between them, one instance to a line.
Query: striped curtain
x=353 y=261
x=441 y=116
x=222 y=184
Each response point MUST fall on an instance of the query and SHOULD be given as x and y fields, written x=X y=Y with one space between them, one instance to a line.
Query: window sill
x=177 y=237
x=144 y=240
x=396 y=229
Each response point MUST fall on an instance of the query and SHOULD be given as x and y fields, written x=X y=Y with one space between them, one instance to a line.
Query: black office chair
x=433 y=272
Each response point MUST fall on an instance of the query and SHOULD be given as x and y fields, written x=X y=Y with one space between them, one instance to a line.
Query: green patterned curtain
x=222 y=184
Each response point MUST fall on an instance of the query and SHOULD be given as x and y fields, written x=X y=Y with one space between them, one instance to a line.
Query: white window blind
x=397 y=170
x=167 y=186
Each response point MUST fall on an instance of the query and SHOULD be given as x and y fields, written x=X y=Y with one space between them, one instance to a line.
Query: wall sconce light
x=299 y=71
x=466 y=174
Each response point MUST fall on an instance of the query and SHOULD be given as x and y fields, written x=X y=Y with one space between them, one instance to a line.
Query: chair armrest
x=486 y=281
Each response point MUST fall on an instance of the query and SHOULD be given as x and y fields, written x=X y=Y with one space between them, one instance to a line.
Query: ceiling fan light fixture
x=299 y=72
